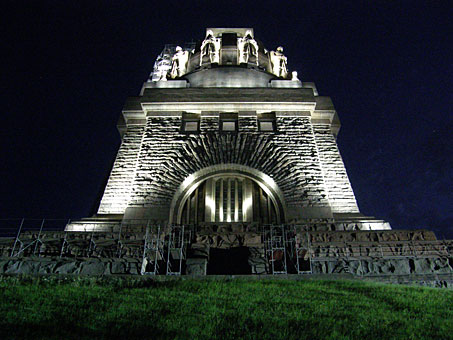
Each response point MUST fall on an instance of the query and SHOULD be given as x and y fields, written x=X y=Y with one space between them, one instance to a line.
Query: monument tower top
x=227 y=57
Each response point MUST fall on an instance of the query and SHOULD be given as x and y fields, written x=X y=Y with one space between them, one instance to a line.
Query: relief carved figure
x=210 y=47
x=179 y=63
x=278 y=62
x=247 y=46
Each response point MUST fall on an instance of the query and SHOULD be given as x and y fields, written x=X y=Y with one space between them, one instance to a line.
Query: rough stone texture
x=199 y=250
x=365 y=224
x=329 y=224
x=427 y=280
x=229 y=240
x=167 y=157
x=301 y=157
x=389 y=266
x=325 y=243
x=361 y=253
x=257 y=261
x=298 y=163
x=89 y=225
x=378 y=236
x=95 y=267
x=196 y=266
x=120 y=185
x=373 y=244
x=340 y=194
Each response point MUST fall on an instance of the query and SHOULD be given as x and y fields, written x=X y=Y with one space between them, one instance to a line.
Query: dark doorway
x=229 y=39
x=233 y=261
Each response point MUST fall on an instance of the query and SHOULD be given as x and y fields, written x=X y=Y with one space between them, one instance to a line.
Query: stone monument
x=229 y=165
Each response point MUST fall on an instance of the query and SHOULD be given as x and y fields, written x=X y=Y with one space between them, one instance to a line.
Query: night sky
x=68 y=68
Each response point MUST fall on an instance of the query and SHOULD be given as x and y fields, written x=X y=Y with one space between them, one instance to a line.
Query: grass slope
x=50 y=308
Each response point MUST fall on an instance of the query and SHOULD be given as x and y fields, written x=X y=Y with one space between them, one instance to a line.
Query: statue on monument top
x=161 y=69
x=247 y=46
x=278 y=62
x=179 y=63
x=211 y=47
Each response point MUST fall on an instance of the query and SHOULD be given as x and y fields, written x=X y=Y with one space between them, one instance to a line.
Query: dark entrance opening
x=233 y=261
x=229 y=39
x=228 y=195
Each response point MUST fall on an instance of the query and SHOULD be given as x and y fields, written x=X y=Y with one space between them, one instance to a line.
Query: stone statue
x=161 y=69
x=247 y=46
x=211 y=47
x=294 y=76
x=278 y=62
x=179 y=63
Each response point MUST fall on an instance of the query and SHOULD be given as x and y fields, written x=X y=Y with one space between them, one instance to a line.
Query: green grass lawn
x=59 y=308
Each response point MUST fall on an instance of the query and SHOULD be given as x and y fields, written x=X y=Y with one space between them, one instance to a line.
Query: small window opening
x=190 y=123
x=228 y=122
x=267 y=122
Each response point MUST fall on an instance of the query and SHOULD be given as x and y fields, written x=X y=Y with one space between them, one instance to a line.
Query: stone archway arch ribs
x=191 y=182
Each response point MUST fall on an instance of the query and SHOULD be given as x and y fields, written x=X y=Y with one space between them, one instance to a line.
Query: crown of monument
x=227 y=57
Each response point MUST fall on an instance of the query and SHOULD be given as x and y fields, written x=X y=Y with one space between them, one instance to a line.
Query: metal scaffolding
x=76 y=243
x=129 y=242
x=303 y=253
x=162 y=249
x=34 y=237
x=177 y=242
x=275 y=245
x=153 y=251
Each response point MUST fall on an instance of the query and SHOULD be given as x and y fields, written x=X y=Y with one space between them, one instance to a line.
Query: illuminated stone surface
x=158 y=154
x=222 y=142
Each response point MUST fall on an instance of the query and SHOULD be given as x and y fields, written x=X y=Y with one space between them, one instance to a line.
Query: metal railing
x=163 y=248
x=27 y=236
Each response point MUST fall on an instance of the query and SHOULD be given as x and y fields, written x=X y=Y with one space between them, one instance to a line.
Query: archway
x=228 y=193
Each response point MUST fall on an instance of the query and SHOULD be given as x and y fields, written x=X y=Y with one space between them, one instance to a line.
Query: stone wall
x=389 y=266
x=148 y=175
x=340 y=194
x=111 y=266
x=376 y=236
x=120 y=185
x=299 y=163
x=80 y=266
x=361 y=253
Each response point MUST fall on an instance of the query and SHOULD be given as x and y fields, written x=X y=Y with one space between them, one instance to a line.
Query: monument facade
x=229 y=165
x=226 y=135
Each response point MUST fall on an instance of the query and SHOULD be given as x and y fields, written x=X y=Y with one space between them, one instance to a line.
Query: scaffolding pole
x=153 y=252
x=303 y=254
x=64 y=244
x=178 y=238
x=38 y=240
x=30 y=242
x=275 y=246
x=17 y=237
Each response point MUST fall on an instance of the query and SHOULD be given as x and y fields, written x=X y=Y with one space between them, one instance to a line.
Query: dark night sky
x=68 y=67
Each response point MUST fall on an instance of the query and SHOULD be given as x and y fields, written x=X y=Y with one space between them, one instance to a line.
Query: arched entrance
x=228 y=198
x=228 y=193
